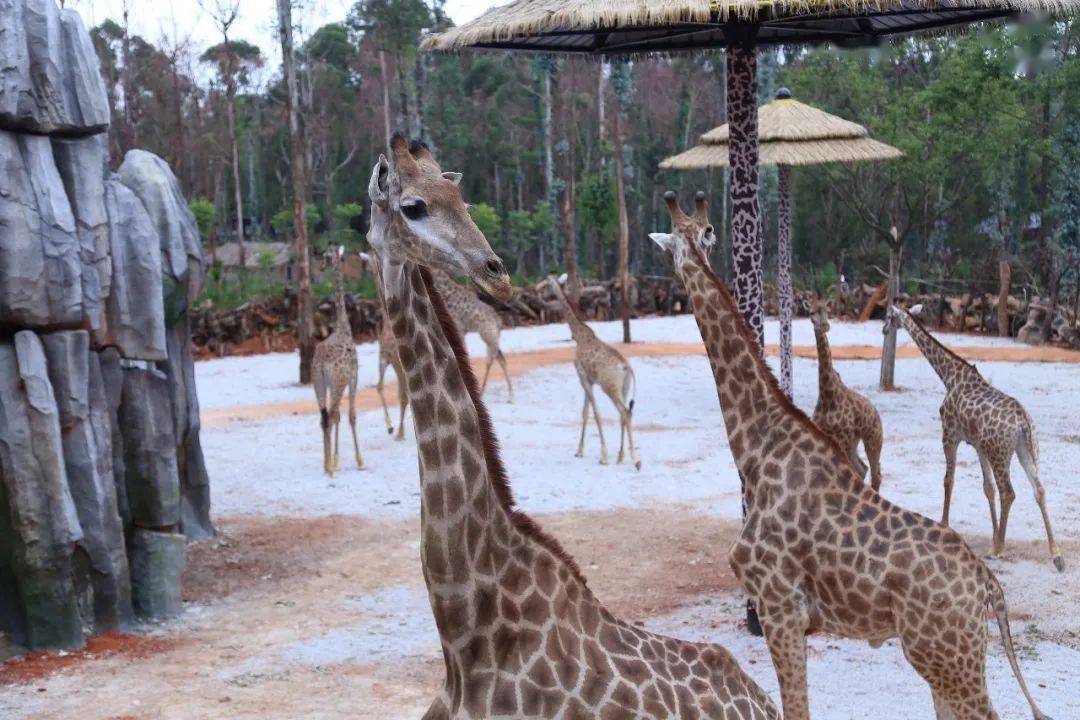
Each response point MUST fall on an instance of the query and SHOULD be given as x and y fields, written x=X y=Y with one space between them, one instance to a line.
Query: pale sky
x=257 y=22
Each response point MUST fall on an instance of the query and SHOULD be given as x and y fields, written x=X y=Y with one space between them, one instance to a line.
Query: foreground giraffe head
x=427 y=220
x=688 y=232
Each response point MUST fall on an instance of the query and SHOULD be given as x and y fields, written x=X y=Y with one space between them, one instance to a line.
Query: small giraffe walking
x=333 y=369
x=388 y=357
x=522 y=634
x=840 y=411
x=820 y=551
x=474 y=315
x=597 y=363
x=996 y=425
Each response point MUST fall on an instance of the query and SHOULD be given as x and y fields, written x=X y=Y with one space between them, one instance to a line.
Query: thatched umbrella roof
x=640 y=26
x=789 y=133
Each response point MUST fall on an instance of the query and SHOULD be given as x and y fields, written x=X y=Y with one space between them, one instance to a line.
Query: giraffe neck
x=341 y=311
x=750 y=399
x=473 y=541
x=949 y=366
x=824 y=355
x=578 y=329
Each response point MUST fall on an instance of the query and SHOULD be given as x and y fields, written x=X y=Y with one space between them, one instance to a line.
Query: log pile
x=102 y=477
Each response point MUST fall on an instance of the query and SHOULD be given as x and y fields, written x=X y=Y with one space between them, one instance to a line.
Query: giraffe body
x=820 y=550
x=995 y=424
x=388 y=357
x=597 y=363
x=474 y=315
x=845 y=415
x=333 y=371
x=522 y=635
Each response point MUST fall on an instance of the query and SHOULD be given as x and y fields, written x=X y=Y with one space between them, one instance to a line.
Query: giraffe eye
x=415 y=209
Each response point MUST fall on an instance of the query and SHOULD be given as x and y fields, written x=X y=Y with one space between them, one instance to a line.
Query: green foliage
x=204 y=212
x=487 y=219
x=597 y=206
x=282 y=221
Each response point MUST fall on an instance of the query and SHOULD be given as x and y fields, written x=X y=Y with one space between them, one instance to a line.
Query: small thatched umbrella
x=789 y=133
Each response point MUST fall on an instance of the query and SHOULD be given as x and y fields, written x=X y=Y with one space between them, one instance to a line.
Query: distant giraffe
x=474 y=315
x=820 y=551
x=841 y=412
x=522 y=634
x=333 y=369
x=388 y=357
x=996 y=425
x=597 y=363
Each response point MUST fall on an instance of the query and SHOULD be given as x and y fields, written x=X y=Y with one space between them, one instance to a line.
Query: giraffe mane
x=934 y=340
x=759 y=356
x=497 y=476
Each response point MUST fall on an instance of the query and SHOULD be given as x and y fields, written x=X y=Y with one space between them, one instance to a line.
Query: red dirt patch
x=43 y=663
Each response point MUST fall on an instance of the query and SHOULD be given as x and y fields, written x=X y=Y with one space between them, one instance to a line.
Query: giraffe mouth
x=493 y=279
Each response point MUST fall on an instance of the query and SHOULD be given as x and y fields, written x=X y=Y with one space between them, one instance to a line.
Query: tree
x=234 y=60
x=305 y=322
x=620 y=83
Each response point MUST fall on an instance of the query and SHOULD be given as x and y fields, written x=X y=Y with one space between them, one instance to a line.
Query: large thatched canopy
x=790 y=133
x=613 y=27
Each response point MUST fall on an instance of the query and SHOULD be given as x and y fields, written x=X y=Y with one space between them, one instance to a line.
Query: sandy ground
x=310 y=604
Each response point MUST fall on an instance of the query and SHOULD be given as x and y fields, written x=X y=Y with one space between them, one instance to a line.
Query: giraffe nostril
x=495 y=267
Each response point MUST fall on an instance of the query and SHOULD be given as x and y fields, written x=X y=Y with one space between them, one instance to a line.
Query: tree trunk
x=624 y=229
x=1005 y=274
x=129 y=136
x=546 y=124
x=387 y=122
x=238 y=194
x=783 y=261
x=1051 y=306
x=305 y=325
x=887 y=381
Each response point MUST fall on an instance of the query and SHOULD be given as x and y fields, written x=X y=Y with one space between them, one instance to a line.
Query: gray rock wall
x=102 y=479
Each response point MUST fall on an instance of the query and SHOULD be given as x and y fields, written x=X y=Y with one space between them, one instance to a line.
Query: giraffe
x=820 y=551
x=333 y=369
x=474 y=315
x=840 y=411
x=522 y=634
x=597 y=363
x=996 y=425
x=388 y=357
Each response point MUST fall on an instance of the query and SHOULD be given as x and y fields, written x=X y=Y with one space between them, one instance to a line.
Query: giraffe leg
x=787 y=645
x=941 y=708
x=382 y=398
x=959 y=688
x=487 y=369
x=324 y=421
x=1030 y=463
x=506 y=373
x=1000 y=464
x=629 y=422
x=599 y=426
x=990 y=491
x=622 y=434
x=584 y=424
x=950 y=442
x=352 y=425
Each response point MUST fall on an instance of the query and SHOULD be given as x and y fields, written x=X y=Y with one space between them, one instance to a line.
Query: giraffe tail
x=1001 y=612
x=629 y=387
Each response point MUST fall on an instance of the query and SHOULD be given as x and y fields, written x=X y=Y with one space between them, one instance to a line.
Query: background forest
x=989 y=123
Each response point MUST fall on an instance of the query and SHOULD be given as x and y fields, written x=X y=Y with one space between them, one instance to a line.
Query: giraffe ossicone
x=820 y=551
x=522 y=635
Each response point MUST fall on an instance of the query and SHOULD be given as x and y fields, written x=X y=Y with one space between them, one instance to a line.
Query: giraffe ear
x=379 y=184
x=454 y=177
x=708 y=238
x=666 y=241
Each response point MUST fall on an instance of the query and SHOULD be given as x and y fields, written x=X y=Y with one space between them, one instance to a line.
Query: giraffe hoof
x=637 y=465
x=1059 y=563
x=390 y=430
x=579 y=455
x=604 y=461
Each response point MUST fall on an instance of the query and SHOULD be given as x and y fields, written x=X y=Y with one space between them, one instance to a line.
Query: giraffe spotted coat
x=522 y=634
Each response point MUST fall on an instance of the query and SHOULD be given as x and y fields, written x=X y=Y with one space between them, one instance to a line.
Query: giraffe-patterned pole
x=741 y=63
x=783 y=271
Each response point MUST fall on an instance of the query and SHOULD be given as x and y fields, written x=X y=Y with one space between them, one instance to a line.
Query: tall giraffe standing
x=474 y=315
x=820 y=551
x=388 y=357
x=333 y=369
x=996 y=425
x=597 y=363
x=522 y=635
x=841 y=412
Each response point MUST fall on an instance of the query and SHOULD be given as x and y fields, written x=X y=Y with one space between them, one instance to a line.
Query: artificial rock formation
x=102 y=479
